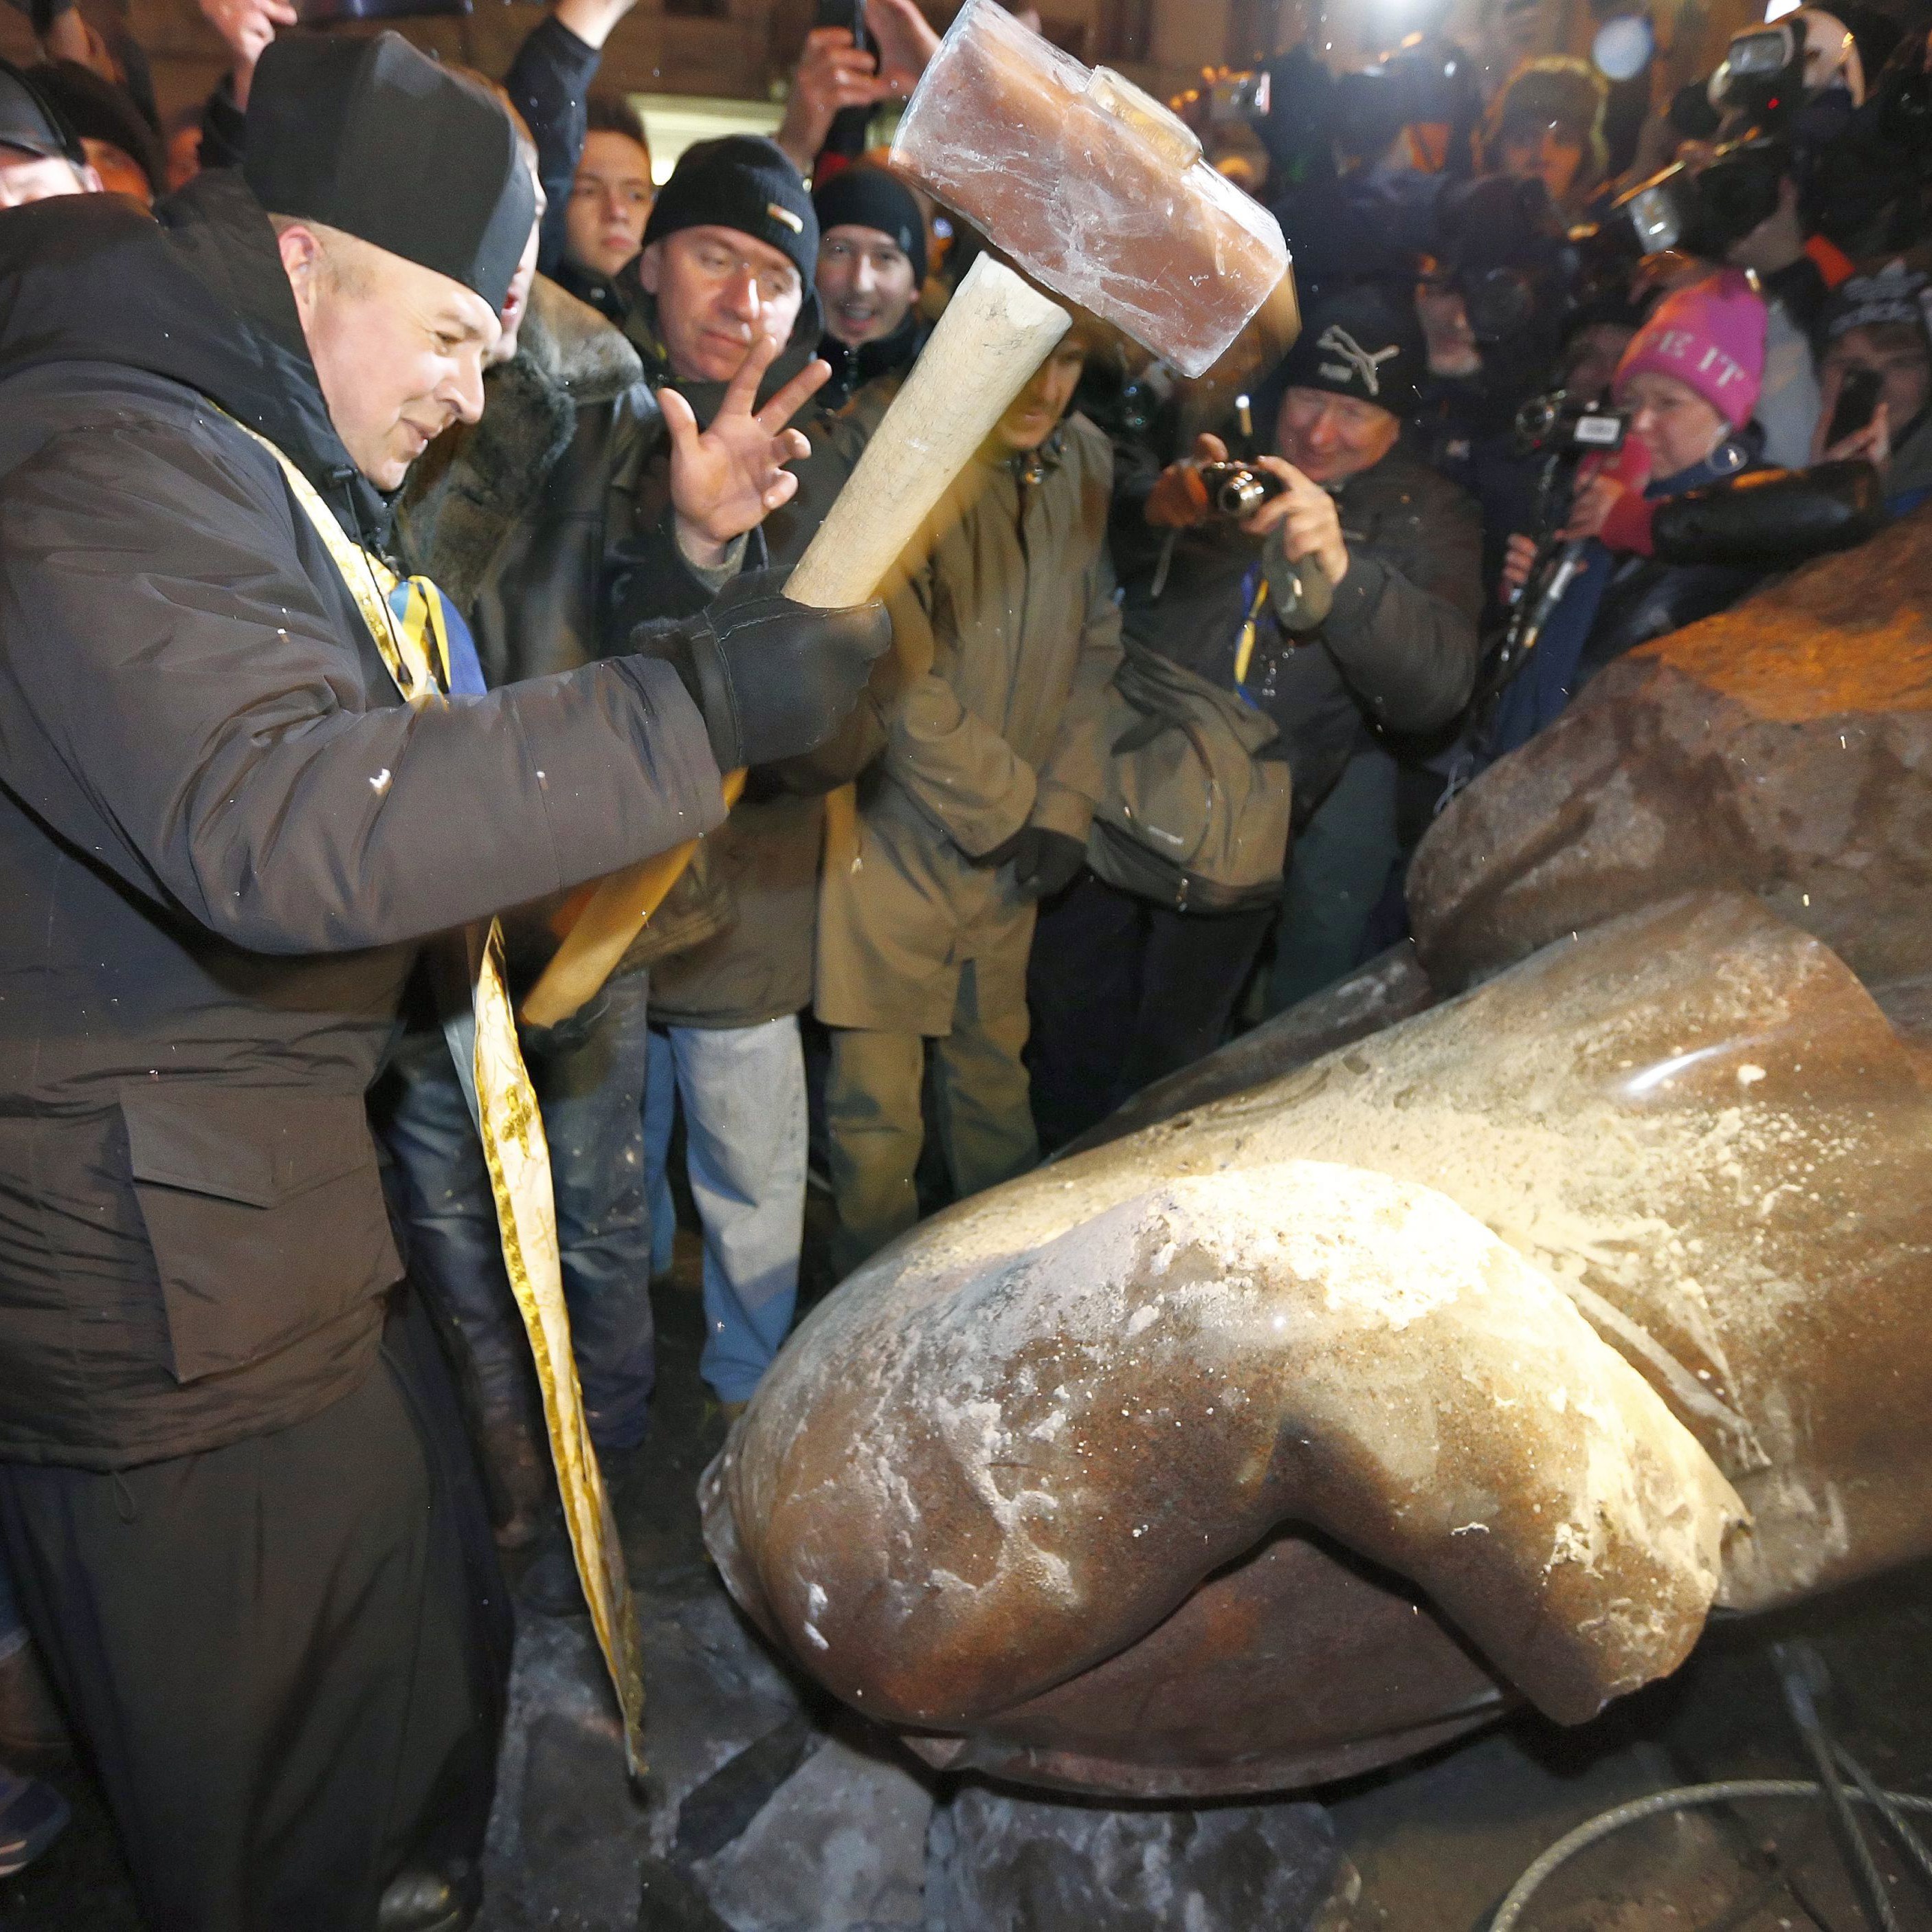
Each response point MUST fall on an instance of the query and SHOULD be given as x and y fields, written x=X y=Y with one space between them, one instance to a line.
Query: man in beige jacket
x=977 y=809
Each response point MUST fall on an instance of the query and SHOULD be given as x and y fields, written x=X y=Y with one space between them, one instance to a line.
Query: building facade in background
x=721 y=51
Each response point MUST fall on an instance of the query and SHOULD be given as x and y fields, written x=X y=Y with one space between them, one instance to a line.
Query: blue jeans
x=743 y=1089
x=1337 y=872
x=591 y=1092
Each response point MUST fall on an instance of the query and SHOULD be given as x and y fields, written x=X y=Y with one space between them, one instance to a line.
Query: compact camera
x=1238 y=490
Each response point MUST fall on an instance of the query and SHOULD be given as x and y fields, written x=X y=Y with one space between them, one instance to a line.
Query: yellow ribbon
x=416 y=651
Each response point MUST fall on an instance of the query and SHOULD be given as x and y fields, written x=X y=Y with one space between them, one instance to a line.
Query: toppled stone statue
x=1477 y=1359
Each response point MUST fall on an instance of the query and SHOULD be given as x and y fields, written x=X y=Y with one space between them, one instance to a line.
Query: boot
x=420 y=1901
x=550 y=1586
x=33 y=1733
x=517 y=1467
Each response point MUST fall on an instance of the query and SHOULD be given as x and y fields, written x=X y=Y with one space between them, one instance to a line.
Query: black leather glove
x=771 y=678
x=1044 y=862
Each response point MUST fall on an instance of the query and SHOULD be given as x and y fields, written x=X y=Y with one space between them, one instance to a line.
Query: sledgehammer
x=1102 y=194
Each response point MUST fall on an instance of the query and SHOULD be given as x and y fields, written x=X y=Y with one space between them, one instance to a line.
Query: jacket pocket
x=264 y=1209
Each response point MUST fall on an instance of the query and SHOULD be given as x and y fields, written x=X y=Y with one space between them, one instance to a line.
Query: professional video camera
x=1781 y=92
x=1564 y=430
x=1561 y=424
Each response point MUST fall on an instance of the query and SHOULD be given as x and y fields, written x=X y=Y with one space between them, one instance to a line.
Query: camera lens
x=1535 y=420
x=1241 y=495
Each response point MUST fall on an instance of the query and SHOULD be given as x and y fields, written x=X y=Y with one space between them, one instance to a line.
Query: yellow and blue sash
x=427 y=648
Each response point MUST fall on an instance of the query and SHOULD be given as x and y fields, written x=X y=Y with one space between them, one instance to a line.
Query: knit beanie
x=1360 y=341
x=745 y=182
x=376 y=139
x=1894 y=293
x=864 y=195
x=1710 y=336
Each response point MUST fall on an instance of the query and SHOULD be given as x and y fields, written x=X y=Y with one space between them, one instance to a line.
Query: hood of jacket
x=197 y=295
x=640 y=325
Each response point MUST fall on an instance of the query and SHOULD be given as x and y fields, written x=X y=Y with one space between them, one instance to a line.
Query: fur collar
x=572 y=345
x=472 y=485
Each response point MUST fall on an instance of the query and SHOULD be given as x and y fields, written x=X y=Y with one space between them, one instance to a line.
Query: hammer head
x=1093 y=187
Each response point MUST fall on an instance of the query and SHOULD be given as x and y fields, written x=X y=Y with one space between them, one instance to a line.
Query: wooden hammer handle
x=994 y=335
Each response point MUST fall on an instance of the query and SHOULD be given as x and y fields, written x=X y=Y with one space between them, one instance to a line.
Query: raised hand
x=906 y=42
x=247 y=26
x=832 y=73
x=1872 y=444
x=726 y=479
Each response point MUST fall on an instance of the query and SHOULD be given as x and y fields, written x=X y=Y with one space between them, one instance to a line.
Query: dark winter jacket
x=513 y=516
x=1465 y=429
x=222 y=836
x=764 y=863
x=549 y=80
x=1711 y=534
x=1398 y=651
x=524 y=518
x=854 y=366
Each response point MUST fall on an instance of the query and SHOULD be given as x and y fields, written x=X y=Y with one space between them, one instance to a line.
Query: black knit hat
x=375 y=139
x=1361 y=340
x=745 y=182
x=1887 y=292
x=31 y=122
x=863 y=196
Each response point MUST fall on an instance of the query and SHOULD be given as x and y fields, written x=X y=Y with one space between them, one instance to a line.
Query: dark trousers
x=287 y=1656
x=1124 y=992
x=590 y=1083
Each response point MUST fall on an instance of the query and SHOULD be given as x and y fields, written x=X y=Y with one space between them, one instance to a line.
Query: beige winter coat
x=1006 y=636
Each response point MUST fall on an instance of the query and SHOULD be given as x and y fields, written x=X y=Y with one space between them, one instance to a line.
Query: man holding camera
x=234 y=802
x=1343 y=609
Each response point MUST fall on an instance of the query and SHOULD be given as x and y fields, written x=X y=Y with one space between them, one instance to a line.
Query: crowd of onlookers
x=1181 y=672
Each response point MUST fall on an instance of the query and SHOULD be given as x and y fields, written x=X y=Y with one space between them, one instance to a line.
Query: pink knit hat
x=1710 y=336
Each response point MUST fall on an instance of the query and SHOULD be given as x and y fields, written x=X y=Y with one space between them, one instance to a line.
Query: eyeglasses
x=719 y=263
